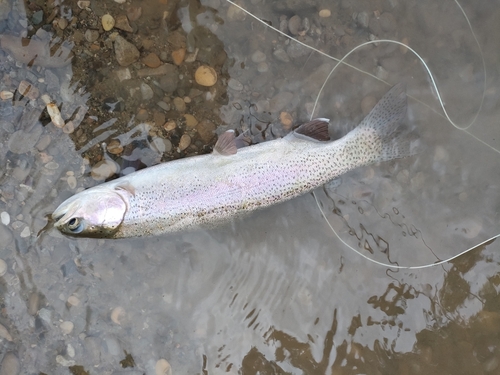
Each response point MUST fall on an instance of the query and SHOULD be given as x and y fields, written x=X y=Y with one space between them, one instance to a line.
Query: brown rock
x=159 y=118
x=152 y=60
x=206 y=130
x=169 y=125
x=178 y=56
x=121 y=22
x=286 y=119
x=114 y=147
x=126 y=53
x=205 y=76
x=184 y=142
x=191 y=121
x=134 y=13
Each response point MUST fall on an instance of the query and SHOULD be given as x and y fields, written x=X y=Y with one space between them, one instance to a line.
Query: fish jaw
x=96 y=212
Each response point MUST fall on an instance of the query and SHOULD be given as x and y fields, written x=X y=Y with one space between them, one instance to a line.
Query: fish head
x=96 y=212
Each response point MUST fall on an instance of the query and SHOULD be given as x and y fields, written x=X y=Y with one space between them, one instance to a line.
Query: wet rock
x=258 y=57
x=152 y=60
x=33 y=303
x=118 y=315
x=4 y=333
x=37 y=17
x=4 y=9
x=66 y=327
x=108 y=22
x=134 y=13
x=146 y=92
x=278 y=102
x=91 y=35
x=387 y=22
x=6 y=235
x=294 y=25
x=163 y=367
x=235 y=14
x=178 y=56
x=126 y=53
x=114 y=147
x=10 y=365
x=191 y=121
x=123 y=74
x=103 y=170
x=363 y=19
x=281 y=55
x=22 y=142
x=52 y=81
x=262 y=67
x=185 y=142
x=6 y=95
x=122 y=23
x=325 y=13
x=5 y=218
x=205 y=76
x=235 y=84
x=71 y=182
x=206 y=130
x=179 y=104
x=162 y=70
x=297 y=50
x=161 y=145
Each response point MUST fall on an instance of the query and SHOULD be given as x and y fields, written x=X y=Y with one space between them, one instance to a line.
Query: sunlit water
x=275 y=292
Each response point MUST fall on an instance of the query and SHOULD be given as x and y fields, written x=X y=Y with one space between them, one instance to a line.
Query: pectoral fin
x=316 y=129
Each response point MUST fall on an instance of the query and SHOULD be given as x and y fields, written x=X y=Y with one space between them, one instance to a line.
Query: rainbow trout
x=211 y=189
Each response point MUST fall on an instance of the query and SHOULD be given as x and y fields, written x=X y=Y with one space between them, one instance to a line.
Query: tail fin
x=383 y=131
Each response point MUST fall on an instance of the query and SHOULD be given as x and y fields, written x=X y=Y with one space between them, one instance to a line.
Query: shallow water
x=275 y=292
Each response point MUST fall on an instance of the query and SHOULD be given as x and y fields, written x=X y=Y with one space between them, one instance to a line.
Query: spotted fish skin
x=211 y=189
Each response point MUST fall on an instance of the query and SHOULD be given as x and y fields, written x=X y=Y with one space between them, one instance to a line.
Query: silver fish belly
x=211 y=189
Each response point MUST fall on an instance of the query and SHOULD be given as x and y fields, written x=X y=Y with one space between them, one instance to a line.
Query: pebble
x=184 y=142
x=325 y=13
x=114 y=147
x=3 y=267
x=281 y=55
x=25 y=232
x=73 y=301
x=123 y=74
x=70 y=350
x=363 y=19
x=235 y=84
x=235 y=14
x=262 y=67
x=10 y=365
x=258 y=57
x=134 y=13
x=163 y=367
x=6 y=95
x=146 y=91
x=37 y=17
x=91 y=35
x=43 y=143
x=52 y=165
x=55 y=115
x=294 y=25
x=71 y=182
x=5 y=334
x=108 y=22
x=118 y=315
x=64 y=362
x=279 y=101
x=126 y=53
x=83 y=4
x=152 y=60
x=66 y=327
x=191 y=121
x=178 y=56
x=27 y=89
x=62 y=23
x=122 y=23
x=103 y=170
x=161 y=145
x=69 y=127
x=286 y=119
x=206 y=130
x=180 y=104
x=169 y=125
x=5 y=218
x=205 y=76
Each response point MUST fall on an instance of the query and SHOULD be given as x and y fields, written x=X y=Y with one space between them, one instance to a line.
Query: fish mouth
x=62 y=213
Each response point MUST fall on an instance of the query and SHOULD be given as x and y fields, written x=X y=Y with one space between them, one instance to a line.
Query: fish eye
x=74 y=225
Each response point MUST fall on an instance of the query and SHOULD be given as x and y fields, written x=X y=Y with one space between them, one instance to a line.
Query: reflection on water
x=276 y=292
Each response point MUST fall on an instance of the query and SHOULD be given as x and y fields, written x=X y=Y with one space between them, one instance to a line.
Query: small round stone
x=205 y=76
x=191 y=121
x=3 y=267
x=286 y=119
x=184 y=142
x=73 y=301
x=178 y=56
x=103 y=170
x=118 y=315
x=71 y=182
x=108 y=22
x=325 y=13
x=180 y=104
x=169 y=125
x=163 y=367
x=5 y=218
x=66 y=327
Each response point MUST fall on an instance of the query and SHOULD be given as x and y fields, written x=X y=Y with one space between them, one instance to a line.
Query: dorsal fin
x=316 y=129
x=226 y=144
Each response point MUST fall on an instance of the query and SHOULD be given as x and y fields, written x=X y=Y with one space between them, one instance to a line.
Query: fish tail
x=382 y=136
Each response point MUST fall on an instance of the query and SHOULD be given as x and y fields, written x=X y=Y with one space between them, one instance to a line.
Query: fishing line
x=439 y=98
